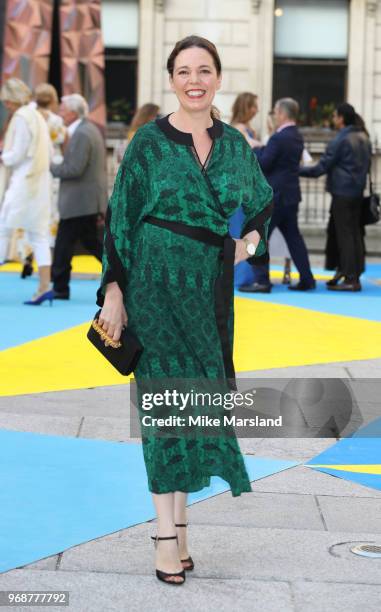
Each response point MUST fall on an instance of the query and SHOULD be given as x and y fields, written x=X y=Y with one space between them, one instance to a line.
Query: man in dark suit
x=280 y=160
x=83 y=191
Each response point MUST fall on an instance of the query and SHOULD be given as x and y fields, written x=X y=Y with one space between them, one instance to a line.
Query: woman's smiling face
x=195 y=79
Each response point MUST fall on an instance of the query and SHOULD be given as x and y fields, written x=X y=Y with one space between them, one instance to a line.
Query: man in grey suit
x=83 y=191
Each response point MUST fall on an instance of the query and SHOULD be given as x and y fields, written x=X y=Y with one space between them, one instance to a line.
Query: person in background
x=280 y=162
x=277 y=244
x=346 y=163
x=25 y=184
x=244 y=109
x=146 y=113
x=83 y=191
x=271 y=128
x=46 y=99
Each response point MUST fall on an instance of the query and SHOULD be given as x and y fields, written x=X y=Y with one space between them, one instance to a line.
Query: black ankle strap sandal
x=190 y=564
x=163 y=575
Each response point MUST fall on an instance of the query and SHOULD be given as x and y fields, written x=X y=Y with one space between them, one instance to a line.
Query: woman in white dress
x=46 y=100
x=25 y=182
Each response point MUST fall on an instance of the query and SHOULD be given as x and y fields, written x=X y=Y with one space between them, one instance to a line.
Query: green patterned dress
x=168 y=281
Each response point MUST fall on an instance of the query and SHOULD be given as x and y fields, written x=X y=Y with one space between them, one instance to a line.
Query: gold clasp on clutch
x=107 y=340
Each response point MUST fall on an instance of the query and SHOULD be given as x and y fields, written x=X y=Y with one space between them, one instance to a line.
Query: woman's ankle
x=43 y=289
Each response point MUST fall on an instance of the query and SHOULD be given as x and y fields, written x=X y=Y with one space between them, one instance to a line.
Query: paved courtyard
x=286 y=547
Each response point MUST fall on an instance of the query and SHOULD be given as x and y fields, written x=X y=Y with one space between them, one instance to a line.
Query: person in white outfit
x=25 y=182
x=47 y=103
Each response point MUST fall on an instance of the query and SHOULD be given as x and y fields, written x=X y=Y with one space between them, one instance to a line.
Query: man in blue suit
x=280 y=161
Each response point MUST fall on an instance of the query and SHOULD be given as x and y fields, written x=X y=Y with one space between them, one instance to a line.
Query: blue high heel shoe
x=47 y=295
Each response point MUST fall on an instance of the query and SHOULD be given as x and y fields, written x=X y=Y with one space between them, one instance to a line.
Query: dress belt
x=224 y=285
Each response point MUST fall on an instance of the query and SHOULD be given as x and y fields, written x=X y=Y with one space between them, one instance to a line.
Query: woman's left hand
x=241 y=253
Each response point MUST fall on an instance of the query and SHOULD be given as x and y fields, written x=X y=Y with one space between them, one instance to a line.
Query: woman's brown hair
x=201 y=43
x=143 y=115
x=241 y=109
x=188 y=43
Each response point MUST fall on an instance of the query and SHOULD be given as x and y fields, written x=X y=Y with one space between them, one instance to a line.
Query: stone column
x=145 y=54
x=356 y=54
x=362 y=58
x=261 y=57
x=151 y=51
x=369 y=63
x=377 y=76
x=158 y=58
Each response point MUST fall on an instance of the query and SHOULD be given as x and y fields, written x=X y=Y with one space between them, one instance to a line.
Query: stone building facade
x=243 y=31
x=135 y=37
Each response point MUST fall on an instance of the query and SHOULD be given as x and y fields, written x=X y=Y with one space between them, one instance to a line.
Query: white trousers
x=38 y=241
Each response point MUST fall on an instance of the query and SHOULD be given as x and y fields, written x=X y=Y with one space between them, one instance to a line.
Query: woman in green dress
x=168 y=273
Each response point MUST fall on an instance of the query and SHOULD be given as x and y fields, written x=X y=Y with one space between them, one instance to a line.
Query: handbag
x=371 y=204
x=123 y=354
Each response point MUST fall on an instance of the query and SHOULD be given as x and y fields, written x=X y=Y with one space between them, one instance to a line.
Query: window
x=310 y=56
x=120 y=35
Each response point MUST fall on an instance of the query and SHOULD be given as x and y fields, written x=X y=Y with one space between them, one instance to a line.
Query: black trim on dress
x=257 y=223
x=185 y=138
x=115 y=273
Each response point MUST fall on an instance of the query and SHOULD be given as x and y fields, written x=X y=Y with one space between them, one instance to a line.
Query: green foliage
x=319 y=116
x=119 y=110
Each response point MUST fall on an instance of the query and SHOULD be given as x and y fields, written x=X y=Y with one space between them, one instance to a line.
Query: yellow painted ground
x=360 y=469
x=267 y=336
x=64 y=360
x=278 y=274
x=276 y=336
x=86 y=264
x=81 y=264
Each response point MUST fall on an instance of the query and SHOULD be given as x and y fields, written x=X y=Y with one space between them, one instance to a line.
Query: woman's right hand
x=113 y=316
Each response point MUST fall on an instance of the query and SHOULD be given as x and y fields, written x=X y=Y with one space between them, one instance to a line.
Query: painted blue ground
x=373 y=270
x=57 y=492
x=21 y=323
x=362 y=448
x=365 y=304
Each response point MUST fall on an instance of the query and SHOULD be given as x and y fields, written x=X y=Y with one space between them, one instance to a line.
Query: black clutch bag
x=123 y=354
